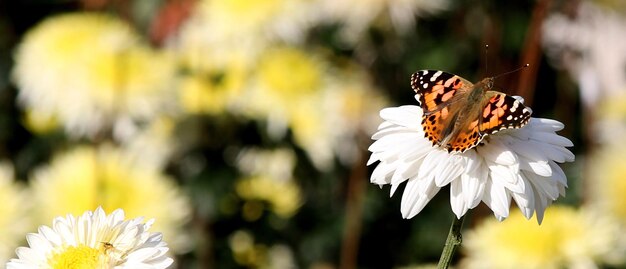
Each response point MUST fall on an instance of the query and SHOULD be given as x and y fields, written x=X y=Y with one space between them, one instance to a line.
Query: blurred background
x=242 y=126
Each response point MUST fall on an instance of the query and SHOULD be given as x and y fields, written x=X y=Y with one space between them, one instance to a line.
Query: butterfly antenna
x=512 y=71
x=486 y=59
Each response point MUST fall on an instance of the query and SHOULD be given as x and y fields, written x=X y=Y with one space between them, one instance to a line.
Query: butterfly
x=459 y=114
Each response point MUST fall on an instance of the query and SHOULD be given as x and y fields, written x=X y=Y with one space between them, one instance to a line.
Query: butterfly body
x=459 y=114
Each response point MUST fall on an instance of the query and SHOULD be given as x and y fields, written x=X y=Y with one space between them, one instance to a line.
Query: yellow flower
x=13 y=219
x=256 y=255
x=329 y=123
x=246 y=20
x=314 y=131
x=212 y=92
x=269 y=180
x=607 y=185
x=290 y=73
x=89 y=71
x=40 y=122
x=283 y=197
x=568 y=239
x=284 y=78
x=324 y=105
x=88 y=177
x=245 y=13
x=607 y=175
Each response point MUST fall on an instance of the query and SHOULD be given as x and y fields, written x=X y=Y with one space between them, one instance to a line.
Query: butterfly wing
x=468 y=137
x=499 y=111
x=502 y=112
x=437 y=89
x=441 y=95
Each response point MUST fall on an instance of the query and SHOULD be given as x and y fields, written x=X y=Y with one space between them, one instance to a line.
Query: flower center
x=80 y=257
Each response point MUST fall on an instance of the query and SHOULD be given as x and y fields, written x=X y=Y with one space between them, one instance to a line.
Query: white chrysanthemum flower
x=94 y=240
x=90 y=70
x=518 y=164
x=86 y=177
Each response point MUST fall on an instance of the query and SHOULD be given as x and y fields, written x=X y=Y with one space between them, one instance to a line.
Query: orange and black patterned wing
x=437 y=89
x=468 y=137
x=441 y=96
x=502 y=112
x=499 y=111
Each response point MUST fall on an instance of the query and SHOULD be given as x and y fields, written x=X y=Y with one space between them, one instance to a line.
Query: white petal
x=404 y=115
x=505 y=177
x=30 y=255
x=497 y=152
x=458 y=204
x=466 y=192
x=525 y=201
x=474 y=183
x=552 y=138
x=38 y=243
x=557 y=153
x=541 y=168
x=449 y=168
x=394 y=187
x=546 y=125
x=50 y=235
x=472 y=189
x=406 y=170
x=390 y=130
x=543 y=186
x=497 y=198
x=381 y=174
x=558 y=174
x=416 y=195
x=428 y=168
x=394 y=142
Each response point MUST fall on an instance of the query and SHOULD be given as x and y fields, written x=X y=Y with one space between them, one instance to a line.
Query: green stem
x=452 y=243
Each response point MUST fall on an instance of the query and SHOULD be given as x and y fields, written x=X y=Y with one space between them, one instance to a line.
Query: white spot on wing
x=425 y=85
x=435 y=76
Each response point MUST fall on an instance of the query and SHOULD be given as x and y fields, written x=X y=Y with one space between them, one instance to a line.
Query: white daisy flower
x=94 y=240
x=515 y=163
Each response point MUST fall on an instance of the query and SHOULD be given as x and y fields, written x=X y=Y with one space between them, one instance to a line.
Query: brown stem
x=354 y=214
x=532 y=52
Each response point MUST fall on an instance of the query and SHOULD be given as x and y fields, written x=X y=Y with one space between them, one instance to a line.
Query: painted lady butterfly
x=459 y=114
